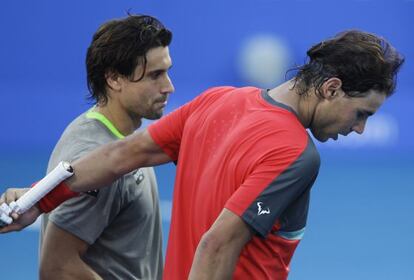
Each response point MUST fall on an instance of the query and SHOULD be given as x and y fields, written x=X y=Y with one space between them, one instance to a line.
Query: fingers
x=22 y=220
x=11 y=227
x=2 y=198
x=19 y=221
x=12 y=194
x=9 y=196
x=14 y=215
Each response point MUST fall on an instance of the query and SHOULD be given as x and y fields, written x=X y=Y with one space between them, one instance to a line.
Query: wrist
x=37 y=208
x=55 y=197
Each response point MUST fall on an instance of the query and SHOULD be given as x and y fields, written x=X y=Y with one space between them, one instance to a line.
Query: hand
x=19 y=221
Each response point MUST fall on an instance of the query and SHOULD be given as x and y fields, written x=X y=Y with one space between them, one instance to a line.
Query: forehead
x=373 y=100
x=158 y=58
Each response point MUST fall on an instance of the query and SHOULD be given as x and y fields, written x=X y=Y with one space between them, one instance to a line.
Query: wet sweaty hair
x=118 y=47
x=361 y=60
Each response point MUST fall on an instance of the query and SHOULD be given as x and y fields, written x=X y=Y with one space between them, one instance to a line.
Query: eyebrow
x=159 y=70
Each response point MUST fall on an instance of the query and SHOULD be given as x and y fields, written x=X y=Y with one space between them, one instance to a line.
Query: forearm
x=61 y=256
x=214 y=261
x=99 y=168
x=109 y=162
x=220 y=247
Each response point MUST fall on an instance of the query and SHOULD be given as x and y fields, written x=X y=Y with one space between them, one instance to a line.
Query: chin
x=319 y=137
x=154 y=115
x=323 y=140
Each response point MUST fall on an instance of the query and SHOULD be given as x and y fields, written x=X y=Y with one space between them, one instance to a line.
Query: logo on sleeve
x=139 y=176
x=260 y=210
x=93 y=193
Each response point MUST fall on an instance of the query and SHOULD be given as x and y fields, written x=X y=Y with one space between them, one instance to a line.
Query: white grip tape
x=4 y=208
x=4 y=219
x=4 y=214
x=61 y=172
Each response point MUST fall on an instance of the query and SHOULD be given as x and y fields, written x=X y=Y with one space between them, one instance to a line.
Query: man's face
x=343 y=114
x=148 y=97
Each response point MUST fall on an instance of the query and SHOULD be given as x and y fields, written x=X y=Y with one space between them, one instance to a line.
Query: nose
x=168 y=86
x=359 y=127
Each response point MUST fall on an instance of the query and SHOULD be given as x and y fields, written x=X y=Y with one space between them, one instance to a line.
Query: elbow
x=211 y=243
x=215 y=242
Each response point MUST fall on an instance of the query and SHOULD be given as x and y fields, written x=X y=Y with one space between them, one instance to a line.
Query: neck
x=303 y=105
x=120 y=118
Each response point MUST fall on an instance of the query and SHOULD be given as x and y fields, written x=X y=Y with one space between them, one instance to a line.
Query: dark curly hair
x=361 y=60
x=118 y=46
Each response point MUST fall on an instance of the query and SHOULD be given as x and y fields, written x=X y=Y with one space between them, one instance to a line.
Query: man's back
x=236 y=145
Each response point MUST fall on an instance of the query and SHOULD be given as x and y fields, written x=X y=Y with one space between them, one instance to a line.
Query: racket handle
x=4 y=215
x=5 y=211
x=61 y=172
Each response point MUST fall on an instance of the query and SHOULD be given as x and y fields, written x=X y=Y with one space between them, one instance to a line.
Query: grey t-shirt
x=121 y=222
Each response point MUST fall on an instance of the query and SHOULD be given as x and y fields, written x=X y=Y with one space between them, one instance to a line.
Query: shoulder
x=223 y=96
x=86 y=131
x=291 y=147
x=228 y=90
x=224 y=91
x=81 y=136
x=309 y=157
x=88 y=128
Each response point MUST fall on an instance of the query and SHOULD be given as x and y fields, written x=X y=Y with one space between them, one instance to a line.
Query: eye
x=155 y=75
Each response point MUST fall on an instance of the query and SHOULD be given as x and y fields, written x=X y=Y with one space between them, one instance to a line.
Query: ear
x=113 y=81
x=331 y=88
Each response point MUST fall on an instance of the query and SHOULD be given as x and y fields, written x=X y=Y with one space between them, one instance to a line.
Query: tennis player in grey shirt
x=114 y=233
x=121 y=223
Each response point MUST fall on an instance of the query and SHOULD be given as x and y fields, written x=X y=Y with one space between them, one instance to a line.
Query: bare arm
x=220 y=247
x=109 y=162
x=61 y=256
x=98 y=169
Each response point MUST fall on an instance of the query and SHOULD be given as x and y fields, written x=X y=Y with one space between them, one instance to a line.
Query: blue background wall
x=361 y=220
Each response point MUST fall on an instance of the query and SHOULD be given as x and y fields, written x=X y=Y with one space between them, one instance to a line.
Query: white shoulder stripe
x=291 y=235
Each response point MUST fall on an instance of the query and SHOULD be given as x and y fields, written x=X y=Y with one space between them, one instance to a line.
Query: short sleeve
x=86 y=216
x=273 y=186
